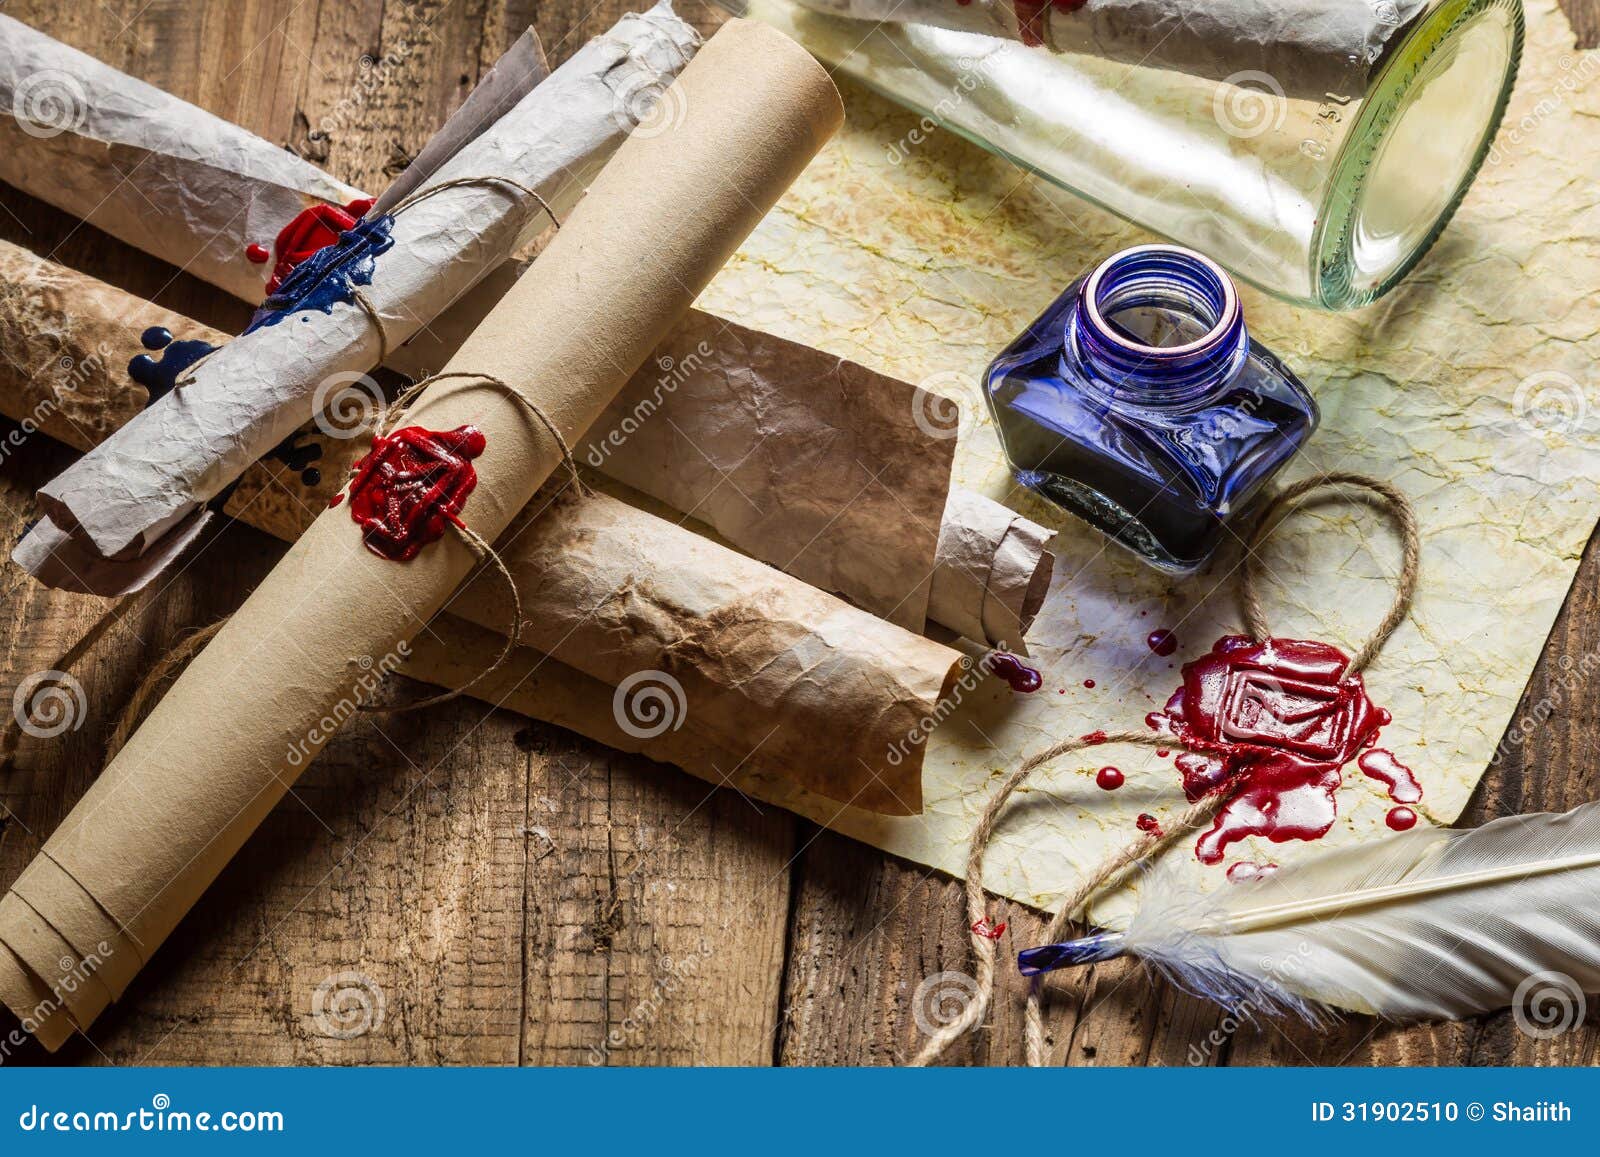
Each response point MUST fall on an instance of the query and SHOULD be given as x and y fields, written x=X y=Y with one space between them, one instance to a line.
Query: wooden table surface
x=508 y=893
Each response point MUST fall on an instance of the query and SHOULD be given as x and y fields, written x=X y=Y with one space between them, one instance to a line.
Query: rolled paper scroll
x=98 y=144
x=1309 y=47
x=723 y=415
x=811 y=688
x=141 y=493
x=184 y=793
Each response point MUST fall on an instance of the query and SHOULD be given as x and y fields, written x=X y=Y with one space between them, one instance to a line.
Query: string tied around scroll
x=1368 y=490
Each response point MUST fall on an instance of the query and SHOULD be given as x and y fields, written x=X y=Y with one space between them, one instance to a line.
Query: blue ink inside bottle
x=330 y=275
x=1139 y=402
x=159 y=376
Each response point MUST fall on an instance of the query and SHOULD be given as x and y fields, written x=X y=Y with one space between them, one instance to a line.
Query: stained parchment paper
x=1472 y=387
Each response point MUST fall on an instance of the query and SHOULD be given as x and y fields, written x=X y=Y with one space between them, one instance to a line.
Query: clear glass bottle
x=1139 y=402
x=1315 y=149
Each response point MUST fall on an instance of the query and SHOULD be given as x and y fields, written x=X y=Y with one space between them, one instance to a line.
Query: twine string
x=1379 y=493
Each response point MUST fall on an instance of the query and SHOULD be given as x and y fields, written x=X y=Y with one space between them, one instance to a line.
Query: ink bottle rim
x=1124 y=371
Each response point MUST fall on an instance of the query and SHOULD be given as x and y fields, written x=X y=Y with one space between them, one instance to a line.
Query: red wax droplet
x=1243 y=872
x=1089 y=683
x=989 y=931
x=1278 y=720
x=1162 y=642
x=1148 y=824
x=1109 y=778
x=1162 y=753
x=1386 y=769
x=1020 y=677
x=335 y=500
x=1093 y=738
x=1401 y=819
x=257 y=253
x=412 y=485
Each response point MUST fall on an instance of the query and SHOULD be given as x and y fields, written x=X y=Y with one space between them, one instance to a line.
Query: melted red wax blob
x=257 y=253
x=1109 y=778
x=1094 y=738
x=1148 y=824
x=412 y=485
x=1243 y=872
x=1401 y=819
x=989 y=931
x=1089 y=683
x=1397 y=777
x=1162 y=642
x=312 y=229
x=1279 y=719
x=1020 y=677
x=1031 y=16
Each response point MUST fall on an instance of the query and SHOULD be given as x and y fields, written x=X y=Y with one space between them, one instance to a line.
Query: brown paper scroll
x=766 y=666
x=229 y=738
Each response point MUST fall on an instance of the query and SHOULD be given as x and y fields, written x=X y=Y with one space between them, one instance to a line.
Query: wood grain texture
x=503 y=891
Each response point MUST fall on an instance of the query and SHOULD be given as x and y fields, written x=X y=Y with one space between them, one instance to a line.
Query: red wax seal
x=1280 y=719
x=411 y=485
x=312 y=229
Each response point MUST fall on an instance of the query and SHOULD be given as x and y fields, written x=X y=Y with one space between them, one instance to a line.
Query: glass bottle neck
x=1157 y=326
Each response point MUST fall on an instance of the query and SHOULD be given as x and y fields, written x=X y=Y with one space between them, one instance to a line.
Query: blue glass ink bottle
x=1138 y=402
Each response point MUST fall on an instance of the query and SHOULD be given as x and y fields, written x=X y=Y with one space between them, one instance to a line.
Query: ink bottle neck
x=1156 y=327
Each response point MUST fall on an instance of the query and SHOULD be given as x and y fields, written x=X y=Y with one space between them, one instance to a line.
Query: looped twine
x=1378 y=493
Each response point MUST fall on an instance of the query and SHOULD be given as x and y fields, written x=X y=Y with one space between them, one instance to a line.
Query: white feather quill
x=1431 y=924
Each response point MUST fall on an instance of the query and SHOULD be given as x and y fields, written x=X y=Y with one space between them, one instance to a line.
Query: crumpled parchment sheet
x=1471 y=387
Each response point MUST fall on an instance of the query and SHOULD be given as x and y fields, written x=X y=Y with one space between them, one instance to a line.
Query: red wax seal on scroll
x=312 y=229
x=1281 y=718
x=411 y=485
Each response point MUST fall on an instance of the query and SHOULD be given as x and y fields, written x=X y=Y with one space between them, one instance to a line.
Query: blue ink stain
x=330 y=275
x=159 y=376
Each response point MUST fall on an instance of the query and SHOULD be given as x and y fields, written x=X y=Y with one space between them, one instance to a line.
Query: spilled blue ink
x=159 y=376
